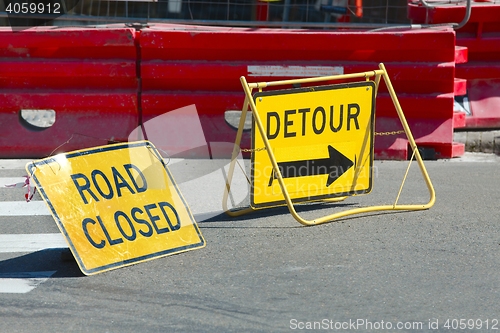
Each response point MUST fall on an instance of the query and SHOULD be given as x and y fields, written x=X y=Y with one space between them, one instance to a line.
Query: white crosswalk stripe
x=4 y=181
x=11 y=243
x=23 y=208
x=14 y=164
x=22 y=282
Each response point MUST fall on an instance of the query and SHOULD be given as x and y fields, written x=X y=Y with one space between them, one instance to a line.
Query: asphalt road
x=422 y=271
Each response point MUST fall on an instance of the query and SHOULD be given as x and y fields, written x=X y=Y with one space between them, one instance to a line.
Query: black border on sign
x=305 y=90
x=33 y=165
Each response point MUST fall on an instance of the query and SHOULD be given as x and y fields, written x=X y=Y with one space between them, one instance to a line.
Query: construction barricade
x=66 y=88
x=480 y=38
x=183 y=65
x=82 y=87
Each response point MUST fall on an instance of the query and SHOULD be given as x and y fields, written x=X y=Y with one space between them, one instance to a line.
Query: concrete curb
x=479 y=141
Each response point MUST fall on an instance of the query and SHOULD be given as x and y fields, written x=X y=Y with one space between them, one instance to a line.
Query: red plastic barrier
x=101 y=82
x=481 y=37
x=183 y=65
x=86 y=75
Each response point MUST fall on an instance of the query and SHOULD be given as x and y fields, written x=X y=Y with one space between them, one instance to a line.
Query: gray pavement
x=263 y=272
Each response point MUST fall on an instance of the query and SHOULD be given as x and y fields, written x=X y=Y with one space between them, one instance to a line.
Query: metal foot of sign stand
x=278 y=168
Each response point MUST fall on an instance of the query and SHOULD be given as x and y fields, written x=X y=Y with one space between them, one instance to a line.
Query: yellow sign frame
x=377 y=75
x=127 y=210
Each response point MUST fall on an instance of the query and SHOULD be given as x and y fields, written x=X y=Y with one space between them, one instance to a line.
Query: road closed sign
x=322 y=141
x=116 y=205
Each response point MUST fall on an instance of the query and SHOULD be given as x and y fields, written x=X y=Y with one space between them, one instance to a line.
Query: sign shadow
x=37 y=264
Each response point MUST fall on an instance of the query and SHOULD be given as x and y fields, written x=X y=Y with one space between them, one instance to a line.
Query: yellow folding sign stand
x=316 y=143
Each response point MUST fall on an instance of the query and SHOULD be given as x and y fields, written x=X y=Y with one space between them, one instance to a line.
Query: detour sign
x=116 y=205
x=322 y=139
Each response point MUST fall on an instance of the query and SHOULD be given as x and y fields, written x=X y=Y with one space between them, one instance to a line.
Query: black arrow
x=334 y=166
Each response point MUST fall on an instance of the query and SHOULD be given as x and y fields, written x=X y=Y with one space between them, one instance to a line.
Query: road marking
x=13 y=164
x=10 y=243
x=22 y=282
x=23 y=208
x=11 y=180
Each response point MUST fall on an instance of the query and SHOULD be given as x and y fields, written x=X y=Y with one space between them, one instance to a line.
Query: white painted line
x=22 y=282
x=10 y=180
x=476 y=157
x=10 y=243
x=13 y=164
x=23 y=208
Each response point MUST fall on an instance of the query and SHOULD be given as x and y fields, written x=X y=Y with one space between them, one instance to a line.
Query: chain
x=389 y=133
x=253 y=150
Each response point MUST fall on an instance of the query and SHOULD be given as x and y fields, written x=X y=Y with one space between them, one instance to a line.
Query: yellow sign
x=322 y=140
x=116 y=205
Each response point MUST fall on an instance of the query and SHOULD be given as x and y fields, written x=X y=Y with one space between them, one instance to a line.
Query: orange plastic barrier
x=101 y=83
x=481 y=38
x=183 y=65
x=68 y=87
